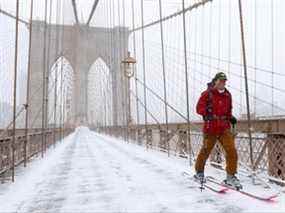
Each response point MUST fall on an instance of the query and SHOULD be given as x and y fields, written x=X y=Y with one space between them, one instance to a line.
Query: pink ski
x=266 y=199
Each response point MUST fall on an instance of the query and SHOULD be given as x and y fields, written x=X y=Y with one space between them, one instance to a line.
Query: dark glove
x=233 y=120
x=207 y=117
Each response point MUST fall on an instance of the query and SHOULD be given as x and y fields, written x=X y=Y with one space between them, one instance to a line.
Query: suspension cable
x=246 y=84
x=190 y=8
x=15 y=91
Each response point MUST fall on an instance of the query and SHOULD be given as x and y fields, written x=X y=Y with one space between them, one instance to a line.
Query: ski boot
x=233 y=181
x=200 y=177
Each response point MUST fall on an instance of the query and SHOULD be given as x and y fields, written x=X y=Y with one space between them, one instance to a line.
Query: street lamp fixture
x=129 y=63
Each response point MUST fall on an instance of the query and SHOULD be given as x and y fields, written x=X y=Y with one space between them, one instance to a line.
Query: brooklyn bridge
x=98 y=103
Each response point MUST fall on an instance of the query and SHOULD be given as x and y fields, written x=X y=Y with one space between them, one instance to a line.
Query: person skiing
x=215 y=106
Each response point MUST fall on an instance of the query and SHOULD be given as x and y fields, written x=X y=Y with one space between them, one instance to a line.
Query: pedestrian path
x=89 y=172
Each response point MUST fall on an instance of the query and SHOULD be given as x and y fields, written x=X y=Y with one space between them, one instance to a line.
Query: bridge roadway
x=88 y=172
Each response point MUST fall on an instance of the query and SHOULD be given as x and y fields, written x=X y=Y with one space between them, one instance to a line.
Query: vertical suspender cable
x=229 y=37
x=195 y=59
x=120 y=69
x=112 y=116
x=105 y=108
x=107 y=61
x=44 y=82
x=114 y=84
x=121 y=76
x=144 y=71
x=241 y=80
x=28 y=84
x=113 y=91
x=255 y=54
x=64 y=102
x=272 y=57
x=56 y=73
x=246 y=84
x=15 y=91
x=135 y=67
x=61 y=96
x=219 y=34
x=164 y=77
x=61 y=70
x=110 y=94
x=47 y=76
x=110 y=62
x=103 y=74
x=101 y=97
x=210 y=36
x=186 y=83
x=202 y=36
x=127 y=94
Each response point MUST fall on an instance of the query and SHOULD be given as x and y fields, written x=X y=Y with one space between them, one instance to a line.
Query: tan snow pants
x=228 y=143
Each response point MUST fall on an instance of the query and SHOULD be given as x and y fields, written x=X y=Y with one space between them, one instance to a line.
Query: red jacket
x=221 y=105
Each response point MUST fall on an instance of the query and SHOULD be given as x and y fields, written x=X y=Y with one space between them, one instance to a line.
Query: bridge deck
x=88 y=172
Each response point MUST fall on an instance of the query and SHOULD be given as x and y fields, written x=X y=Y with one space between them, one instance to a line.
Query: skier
x=215 y=105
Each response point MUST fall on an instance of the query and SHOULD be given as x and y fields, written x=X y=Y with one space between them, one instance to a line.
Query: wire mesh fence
x=24 y=150
x=268 y=149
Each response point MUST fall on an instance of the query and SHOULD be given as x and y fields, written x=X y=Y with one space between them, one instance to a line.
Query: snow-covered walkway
x=88 y=172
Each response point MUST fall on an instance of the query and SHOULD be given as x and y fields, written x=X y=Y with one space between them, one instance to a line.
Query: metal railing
x=268 y=148
x=24 y=150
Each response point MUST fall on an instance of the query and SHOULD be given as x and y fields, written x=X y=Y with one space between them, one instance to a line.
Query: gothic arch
x=61 y=80
x=81 y=46
x=100 y=88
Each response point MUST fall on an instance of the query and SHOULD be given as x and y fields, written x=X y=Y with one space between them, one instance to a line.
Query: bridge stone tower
x=81 y=45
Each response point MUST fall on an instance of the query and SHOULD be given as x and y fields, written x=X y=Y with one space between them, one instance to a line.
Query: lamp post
x=129 y=64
